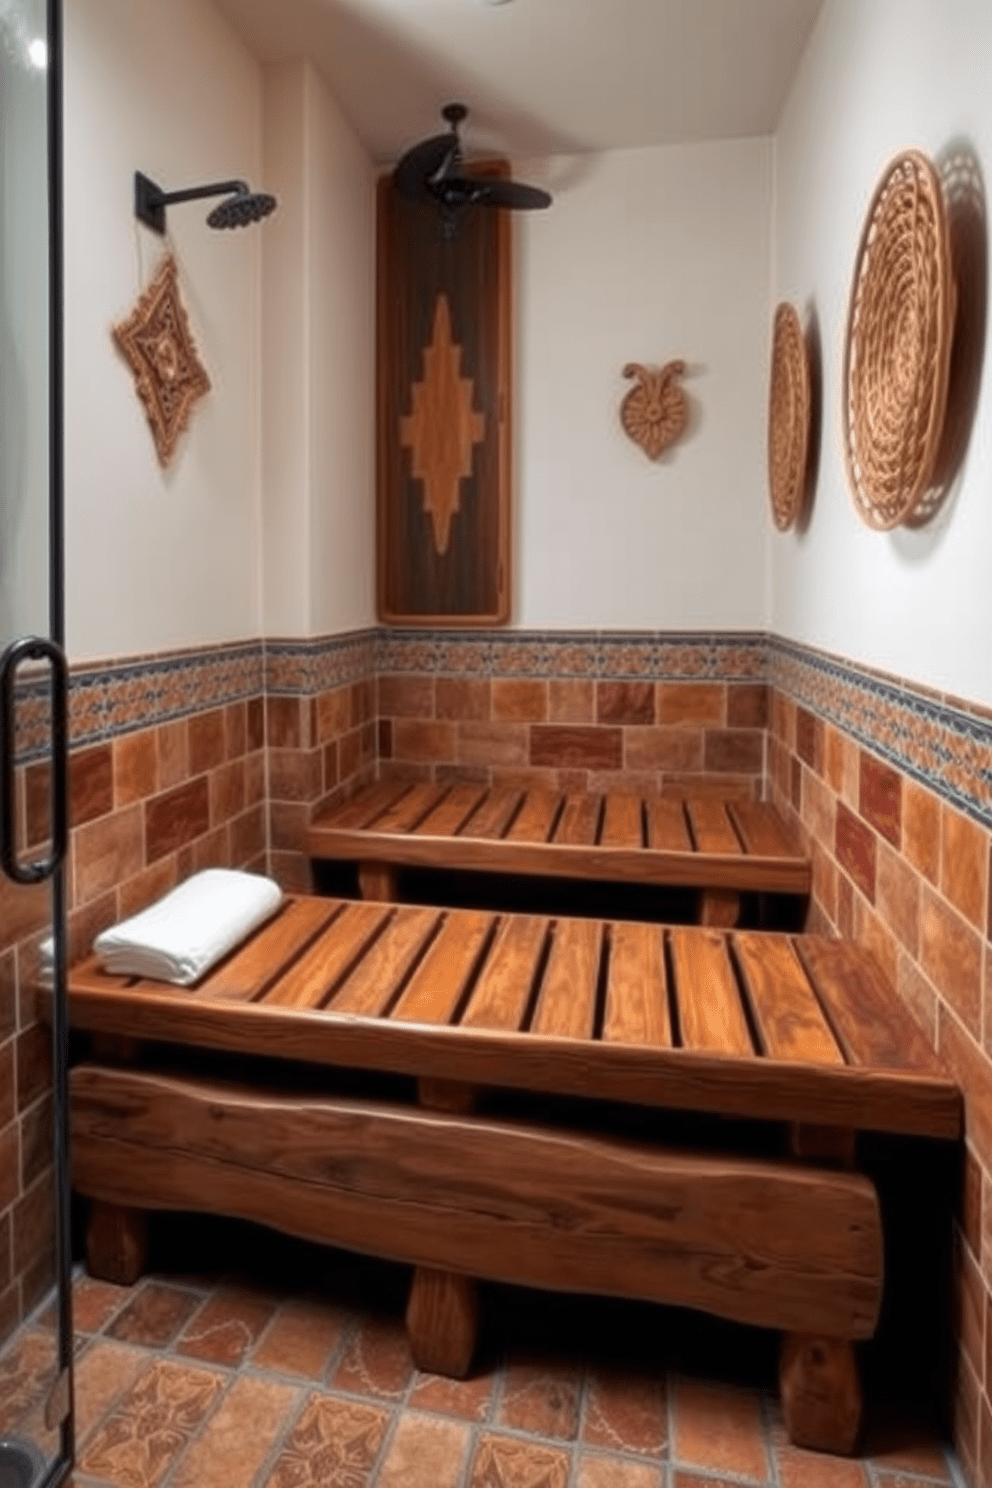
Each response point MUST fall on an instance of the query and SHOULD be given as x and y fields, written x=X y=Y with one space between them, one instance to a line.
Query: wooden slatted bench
x=720 y=847
x=794 y=1030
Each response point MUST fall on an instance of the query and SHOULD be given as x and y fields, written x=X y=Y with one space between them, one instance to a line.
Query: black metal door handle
x=34 y=648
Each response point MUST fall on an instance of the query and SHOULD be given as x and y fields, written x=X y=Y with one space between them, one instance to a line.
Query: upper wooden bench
x=719 y=847
x=797 y=1030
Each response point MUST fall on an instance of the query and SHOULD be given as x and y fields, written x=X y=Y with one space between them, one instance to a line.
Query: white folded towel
x=183 y=935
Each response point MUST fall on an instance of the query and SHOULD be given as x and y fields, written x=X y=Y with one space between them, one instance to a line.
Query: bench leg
x=821 y=1392
x=442 y=1321
x=720 y=908
x=116 y=1243
x=377 y=881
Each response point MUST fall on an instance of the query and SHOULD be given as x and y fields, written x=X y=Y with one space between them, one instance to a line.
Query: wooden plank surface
x=369 y=804
x=668 y=830
x=269 y=953
x=451 y=814
x=637 y=987
x=536 y=817
x=873 y=1027
x=493 y=816
x=312 y=978
x=579 y=822
x=410 y=809
x=712 y=828
x=437 y=986
x=622 y=821
x=502 y=993
x=762 y=830
x=566 y=1005
x=374 y=982
x=710 y=1013
x=788 y=1016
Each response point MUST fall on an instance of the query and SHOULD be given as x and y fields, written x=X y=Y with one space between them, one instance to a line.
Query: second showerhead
x=241 y=207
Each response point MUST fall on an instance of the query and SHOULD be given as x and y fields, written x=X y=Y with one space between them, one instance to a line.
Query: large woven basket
x=788 y=418
x=898 y=351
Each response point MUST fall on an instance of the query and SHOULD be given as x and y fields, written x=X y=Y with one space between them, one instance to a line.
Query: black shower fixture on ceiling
x=242 y=207
x=433 y=172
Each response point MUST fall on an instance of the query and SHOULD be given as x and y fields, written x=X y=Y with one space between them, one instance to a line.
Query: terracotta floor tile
x=424 y=1453
x=627 y=1413
x=718 y=1428
x=543 y=1399
x=799 y=1469
x=138 y=1443
x=26 y=1370
x=103 y=1374
x=904 y=1480
x=93 y=1302
x=154 y=1316
x=907 y=1446
x=376 y=1360
x=507 y=1462
x=300 y=1339
x=468 y=1399
x=613 y=1472
x=239 y=1435
x=333 y=1445
x=226 y=1326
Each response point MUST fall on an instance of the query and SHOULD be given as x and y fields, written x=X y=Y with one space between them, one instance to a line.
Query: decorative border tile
x=946 y=748
x=311 y=666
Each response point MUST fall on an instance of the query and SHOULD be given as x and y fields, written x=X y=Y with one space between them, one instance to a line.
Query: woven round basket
x=788 y=417
x=898 y=351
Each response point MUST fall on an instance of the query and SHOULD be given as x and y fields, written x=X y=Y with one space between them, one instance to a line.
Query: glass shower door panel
x=35 y=1378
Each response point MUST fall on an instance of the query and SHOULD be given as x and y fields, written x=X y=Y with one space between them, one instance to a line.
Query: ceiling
x=542 y=76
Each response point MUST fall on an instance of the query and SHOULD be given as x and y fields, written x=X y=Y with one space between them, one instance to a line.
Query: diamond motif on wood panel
x=442 y=431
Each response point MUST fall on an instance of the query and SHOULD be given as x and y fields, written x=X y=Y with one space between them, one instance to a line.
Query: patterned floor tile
x=300 y=1339
x=333 y=1445
x=139 y=1442
x=614 y=1472
x=718 y=1428
x=26 y=1371
x=541 y=1399
x=239 y=1436
x=626 y=1413
x=799 y=1469
x=424 y=1453
x=154 y=1316
x=376 y=1360
x=468 y=1399
x=508 y=1462
x=102 y=1375
x=93 y=1302
x=226 y=1326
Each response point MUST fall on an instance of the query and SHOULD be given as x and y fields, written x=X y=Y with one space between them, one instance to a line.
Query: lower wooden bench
x=721 y=848
x=799 y=1030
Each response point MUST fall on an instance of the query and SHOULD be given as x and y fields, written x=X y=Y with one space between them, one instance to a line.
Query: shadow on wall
x=814 y=361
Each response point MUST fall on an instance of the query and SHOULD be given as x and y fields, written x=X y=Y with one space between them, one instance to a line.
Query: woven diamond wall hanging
x=158 y=345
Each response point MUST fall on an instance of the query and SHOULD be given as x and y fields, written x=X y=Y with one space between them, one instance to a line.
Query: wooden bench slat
x=437 y=985
x=622 y=821
x=579 y=822
x=492 y=817
x=873 y=1026
x=763 y=833
x=314 y=975
x=710 y=1013
x=409 y=810
x=535 y=818
x=271 y=951
x=637 y=987
x=789 y=1018
x=500 y=997
x=451 y=814
x=566 y=1004
x=363 y=810
x=372 y=984
x=667 y=828
x=712 y=827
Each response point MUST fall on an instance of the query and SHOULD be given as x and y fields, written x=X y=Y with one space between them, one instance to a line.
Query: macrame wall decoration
x=157 y=342
x=656 y=411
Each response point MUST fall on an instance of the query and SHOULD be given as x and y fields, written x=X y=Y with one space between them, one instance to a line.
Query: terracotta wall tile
x=871 y=932
x=135 y=767
x=8 y=1099
x=147 y=886
x=519 y=700
x=33 y=1224
x=880 y=797
x=37 y=803
x=176 y=817
x=625 y=702
x=332 y=770
x=898 y=897
x=37 y=1140
x=635 y=782
x=86 y=922
x=737 y=751
x=721 y=787
x=256 y=724
x=986 y=1230
x=824 y=881
x=212 y=850
x=289 y=822
x=91 y=784
x=841 y=765
x=363 y=700
x=333 y=713
x=283 y=722
x=295 y=774
x=406 y=697
x=796 y=783
x=292 y=872
x=919 y=996
x=463 y=699
x=255 y=777
x=385 y=740
x=966 y=1417
x=172 y=741
x=9 y=1163
x=33 y=1056
x=570 y=701
x=675 y=749
x=747 y=705
x=8 y=995
x=207 y=741
x=855 y=850
x=818 y=809
x=973 y=1072
x=106 y=852
x=349 y=755
x=971 y=1208
x=561 y=746
x=969 y=1308
x=247 y=836
x=951 y=956
x=23 y=910
x=493 y=744
x=784 y=719
x=921 y=821
x=461 y=775
x=236 y=730
x=809 y=739
x=697 y=703
x=424 y=741
x=964 y=865
x=227 y=792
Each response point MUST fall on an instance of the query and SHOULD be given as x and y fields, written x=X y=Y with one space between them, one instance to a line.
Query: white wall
x=875 y=80
x=319 y=336
x=645 y=255
x=155 y=558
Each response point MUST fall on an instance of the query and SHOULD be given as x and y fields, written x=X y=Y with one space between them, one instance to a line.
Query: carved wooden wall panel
x=443 y=414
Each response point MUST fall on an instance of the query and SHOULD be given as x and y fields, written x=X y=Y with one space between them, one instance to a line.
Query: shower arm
x=150 y=201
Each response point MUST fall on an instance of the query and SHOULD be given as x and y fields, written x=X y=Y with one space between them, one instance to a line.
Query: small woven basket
x=898 y=351
x=788 y=418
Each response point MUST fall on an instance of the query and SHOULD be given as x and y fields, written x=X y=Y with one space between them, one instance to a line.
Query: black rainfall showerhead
x=241 y=208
